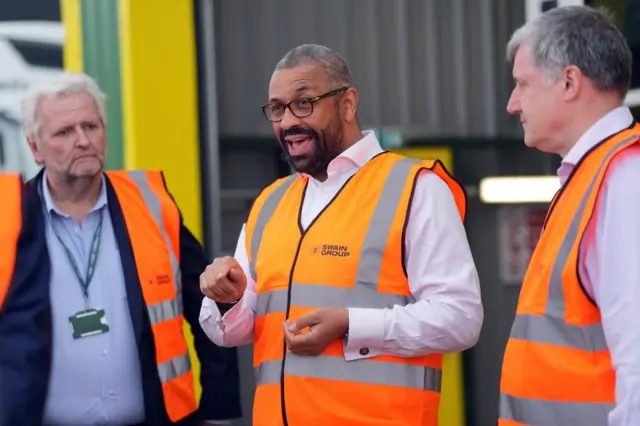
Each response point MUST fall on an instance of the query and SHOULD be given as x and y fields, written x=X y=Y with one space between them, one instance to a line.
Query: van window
x=39 y=54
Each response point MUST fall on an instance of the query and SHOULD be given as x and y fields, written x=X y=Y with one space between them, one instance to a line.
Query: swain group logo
x=333 y=250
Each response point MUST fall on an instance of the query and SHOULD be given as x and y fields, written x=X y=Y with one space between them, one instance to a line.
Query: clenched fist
x=223 y=281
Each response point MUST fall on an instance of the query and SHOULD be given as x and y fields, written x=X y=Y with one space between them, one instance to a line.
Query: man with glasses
x=352 y=276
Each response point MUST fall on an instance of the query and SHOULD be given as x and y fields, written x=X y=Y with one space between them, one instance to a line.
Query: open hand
x=324 y=326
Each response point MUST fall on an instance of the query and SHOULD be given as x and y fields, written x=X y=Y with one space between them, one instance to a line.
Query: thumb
x=235 y=274
x=305 y=321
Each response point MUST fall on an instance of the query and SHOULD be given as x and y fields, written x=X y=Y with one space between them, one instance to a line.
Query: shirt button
x=104 y=352
x=364 y=351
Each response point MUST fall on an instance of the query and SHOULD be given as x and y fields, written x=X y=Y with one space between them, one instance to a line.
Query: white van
x=30 y=51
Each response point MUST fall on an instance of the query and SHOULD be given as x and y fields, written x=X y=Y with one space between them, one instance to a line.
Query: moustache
x=299 y=131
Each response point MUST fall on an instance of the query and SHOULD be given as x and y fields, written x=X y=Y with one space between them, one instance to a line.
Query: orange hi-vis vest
x=153 y=224
x=351 y=255
x=10 y=226
x=557 y=368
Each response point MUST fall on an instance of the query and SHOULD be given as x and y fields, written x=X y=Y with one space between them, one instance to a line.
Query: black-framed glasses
x=303 y=107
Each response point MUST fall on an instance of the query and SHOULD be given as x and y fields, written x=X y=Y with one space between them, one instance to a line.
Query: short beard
x=327 y=146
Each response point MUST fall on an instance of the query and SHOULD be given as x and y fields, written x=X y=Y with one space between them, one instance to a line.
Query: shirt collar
x=613 y=122
x=51 y=206
x=357 y=155
x=364 y=150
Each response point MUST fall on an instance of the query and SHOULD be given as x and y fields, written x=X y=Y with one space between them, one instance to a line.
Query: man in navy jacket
x=219 y=372
x=25 y=332
x=65 y=127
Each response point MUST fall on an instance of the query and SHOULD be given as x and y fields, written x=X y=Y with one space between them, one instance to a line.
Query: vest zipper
x=304 y=232
x=284 y=347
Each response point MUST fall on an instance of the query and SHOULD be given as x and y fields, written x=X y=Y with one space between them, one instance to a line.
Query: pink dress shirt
x=447 y=315
x=610 y=260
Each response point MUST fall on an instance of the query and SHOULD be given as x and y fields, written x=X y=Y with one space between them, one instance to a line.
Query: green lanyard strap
x=93 y=254
x=93 y=258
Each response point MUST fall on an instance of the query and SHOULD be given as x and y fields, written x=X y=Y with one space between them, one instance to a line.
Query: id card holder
x=88 y=323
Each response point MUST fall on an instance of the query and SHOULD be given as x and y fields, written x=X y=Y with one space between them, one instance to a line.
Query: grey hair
x=63 y=84
x=577 y=35
x=334 y=68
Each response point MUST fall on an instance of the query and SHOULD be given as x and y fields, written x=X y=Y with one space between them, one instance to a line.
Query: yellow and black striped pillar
x=143 y=55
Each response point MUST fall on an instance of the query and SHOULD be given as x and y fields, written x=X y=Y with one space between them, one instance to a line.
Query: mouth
x=85 y=158
x=299 y=144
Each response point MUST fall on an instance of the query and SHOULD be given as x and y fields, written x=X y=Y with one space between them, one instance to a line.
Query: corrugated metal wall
x=433 y=67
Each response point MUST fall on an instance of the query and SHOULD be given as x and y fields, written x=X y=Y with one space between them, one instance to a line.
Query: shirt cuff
x=247 y=300
x=366 y=333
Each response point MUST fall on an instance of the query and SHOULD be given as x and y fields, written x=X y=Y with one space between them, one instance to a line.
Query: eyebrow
x=300 y=89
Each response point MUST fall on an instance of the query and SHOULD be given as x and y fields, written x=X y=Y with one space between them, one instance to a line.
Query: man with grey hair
x=353 y=275
x=572 y=356
x=124 y=277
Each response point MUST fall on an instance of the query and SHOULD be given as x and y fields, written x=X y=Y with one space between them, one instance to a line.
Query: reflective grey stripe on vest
x=552 y=329
x=551 y=413
x=168 y=309
x=363 y=294
x=360 y=371
x=269 y=206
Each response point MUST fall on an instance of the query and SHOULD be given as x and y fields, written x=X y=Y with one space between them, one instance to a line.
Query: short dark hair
x=334 y=68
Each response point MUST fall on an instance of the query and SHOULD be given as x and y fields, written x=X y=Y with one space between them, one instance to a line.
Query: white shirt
x=447 y=315
x=609 y=265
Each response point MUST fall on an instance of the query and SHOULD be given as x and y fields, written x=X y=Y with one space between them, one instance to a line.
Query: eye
x=62 y=132
x=276 y=108
x=303 y=103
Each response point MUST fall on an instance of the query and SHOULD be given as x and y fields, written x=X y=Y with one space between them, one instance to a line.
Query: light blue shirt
x=94 y=380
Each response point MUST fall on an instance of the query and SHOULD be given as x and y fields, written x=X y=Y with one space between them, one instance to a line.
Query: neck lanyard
x=91 y=264
x=93 y=253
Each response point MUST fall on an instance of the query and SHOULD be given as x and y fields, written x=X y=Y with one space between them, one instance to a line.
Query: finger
x=223 y=262
x=307 y=320
x=302 y=346
x=289 y=337
x=208 y=276
x=301 y=339
x=205 y=288
x=208 y=293
x=293 y=338
x=220 y=269
x=226 y=288
x=218 y=295
x=289 y=326
x=221 y=275
x=304 y=340
x=203 y=283
x=235 y=274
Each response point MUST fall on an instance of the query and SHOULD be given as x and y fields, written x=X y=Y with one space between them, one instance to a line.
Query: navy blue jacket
x=25 y=323
x=219 y=375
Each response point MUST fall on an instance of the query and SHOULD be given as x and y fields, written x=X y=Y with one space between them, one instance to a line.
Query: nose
x=83 y=139
x=513 y=106
x=289 y=120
